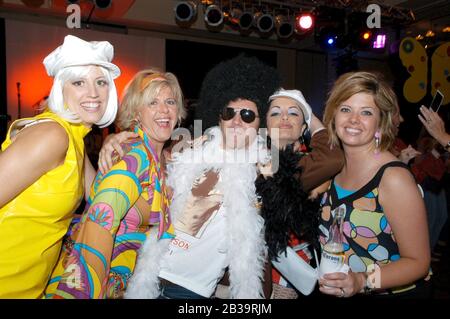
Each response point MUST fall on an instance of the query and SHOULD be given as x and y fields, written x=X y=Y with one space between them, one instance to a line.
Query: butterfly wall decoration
x=415 y=59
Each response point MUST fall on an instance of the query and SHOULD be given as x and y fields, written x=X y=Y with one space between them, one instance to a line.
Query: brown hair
x=384 y=97
x=144 y=87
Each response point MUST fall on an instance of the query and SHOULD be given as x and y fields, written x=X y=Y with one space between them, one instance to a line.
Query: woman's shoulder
x=46 y=134
x=395 y=175
x=44 y=143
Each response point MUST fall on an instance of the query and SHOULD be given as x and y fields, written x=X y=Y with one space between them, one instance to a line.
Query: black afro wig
x=239 y=78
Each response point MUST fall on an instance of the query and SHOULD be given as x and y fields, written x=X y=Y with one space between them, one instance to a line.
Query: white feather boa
x=245 y=227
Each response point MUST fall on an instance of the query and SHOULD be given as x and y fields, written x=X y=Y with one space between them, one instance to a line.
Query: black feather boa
x=286 y=208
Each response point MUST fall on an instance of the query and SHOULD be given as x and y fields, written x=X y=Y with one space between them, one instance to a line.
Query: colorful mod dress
x=100 y=255
x=369 y=239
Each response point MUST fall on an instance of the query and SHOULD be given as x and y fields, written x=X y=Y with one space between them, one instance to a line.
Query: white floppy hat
x=75 y=51
x=297 y=96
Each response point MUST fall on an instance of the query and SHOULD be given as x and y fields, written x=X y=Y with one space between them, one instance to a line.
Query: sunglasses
x=248 y=116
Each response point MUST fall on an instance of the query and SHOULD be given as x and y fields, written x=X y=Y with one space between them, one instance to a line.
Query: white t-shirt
x=197 y=256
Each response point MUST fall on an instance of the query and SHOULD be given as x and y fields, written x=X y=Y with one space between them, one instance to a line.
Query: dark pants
x=170 y=290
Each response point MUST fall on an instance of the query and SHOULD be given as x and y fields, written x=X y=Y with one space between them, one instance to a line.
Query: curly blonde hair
x=144 y=87
x=384 y=97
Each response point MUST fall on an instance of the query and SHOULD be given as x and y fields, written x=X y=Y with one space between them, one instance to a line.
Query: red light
x=304 y=21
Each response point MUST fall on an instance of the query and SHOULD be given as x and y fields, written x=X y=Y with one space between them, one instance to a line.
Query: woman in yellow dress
x=43 y=169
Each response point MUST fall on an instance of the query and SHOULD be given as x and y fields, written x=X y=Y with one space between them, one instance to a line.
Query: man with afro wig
x=215 y=210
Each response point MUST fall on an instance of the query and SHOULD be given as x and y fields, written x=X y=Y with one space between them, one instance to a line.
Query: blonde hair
x=56 y=99
x=384 y=97
x=144 y=87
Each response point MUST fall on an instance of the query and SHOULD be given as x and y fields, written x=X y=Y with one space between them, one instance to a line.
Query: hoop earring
x=377 y=142
x=301 y=139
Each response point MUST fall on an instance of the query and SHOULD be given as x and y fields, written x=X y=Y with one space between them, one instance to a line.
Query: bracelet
x=367 y=289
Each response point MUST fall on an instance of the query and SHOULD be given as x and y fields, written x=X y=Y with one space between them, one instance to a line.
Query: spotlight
x=241 y=19
x=213 y=16
x=284 y=26
x=331 y=38
x=362 y=39
x=185 y=11
x=264 y=22
x=102 y=4
x=304 y=22
x=329 y=26
x=366 y=35
x=246 y=20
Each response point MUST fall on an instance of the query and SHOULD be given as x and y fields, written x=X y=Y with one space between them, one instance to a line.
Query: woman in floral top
x=100 y=254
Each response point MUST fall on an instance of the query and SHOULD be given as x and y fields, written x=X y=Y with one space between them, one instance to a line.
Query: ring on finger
x=342 y=293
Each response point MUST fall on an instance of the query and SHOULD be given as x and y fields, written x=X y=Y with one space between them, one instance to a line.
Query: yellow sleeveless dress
x=33 y=223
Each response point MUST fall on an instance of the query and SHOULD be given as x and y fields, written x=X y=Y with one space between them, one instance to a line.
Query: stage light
x=283 y=26
x=329 y=28
x=263 y=21
x=366 y=35
x=102 y=4
x=380 y=41
x=213 y=16
x=246 y=20
x=185 y=11
x=304 y=21
x=365 y=40
x=330 y=38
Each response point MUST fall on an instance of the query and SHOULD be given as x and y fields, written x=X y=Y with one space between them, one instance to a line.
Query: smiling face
x=356 y=121
x=87 y=96
x=286 y=115
x=159 y=117
x=237 y=133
